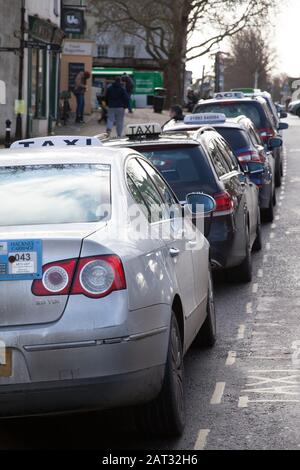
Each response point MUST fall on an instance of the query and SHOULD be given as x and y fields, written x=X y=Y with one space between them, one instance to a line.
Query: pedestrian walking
x=129 y=87
x=117 y=101
x=79 y=90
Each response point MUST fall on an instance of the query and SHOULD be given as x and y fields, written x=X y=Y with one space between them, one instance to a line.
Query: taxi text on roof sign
x=205 y=118
x=57 y=141
x=133 y=130
x=229 y=94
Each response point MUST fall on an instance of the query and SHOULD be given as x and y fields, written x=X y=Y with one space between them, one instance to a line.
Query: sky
x=285 y=39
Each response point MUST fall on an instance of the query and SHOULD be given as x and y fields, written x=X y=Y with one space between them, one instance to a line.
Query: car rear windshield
x=185 y=168
x=54 y=194
x=237 y=138
x=231 y=109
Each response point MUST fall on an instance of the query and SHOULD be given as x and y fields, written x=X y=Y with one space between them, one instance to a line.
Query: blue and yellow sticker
x=20 y=260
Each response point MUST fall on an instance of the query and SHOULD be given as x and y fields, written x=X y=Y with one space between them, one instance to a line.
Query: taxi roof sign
x=246 y=90
x=57 y=141
x=229 y=94
x=143 y=130
x=205 y=118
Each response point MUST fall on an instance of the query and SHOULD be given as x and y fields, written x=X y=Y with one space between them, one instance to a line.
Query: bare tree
x=251 y=62
x=166 y=26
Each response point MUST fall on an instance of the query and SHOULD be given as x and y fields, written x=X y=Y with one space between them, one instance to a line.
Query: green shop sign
x=44 y=31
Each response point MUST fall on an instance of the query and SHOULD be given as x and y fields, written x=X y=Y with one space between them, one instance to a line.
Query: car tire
x=165 y=416
x=274 y=198
x=257 y=245
x=243 y=272
x=207 y=335
x=268 y=214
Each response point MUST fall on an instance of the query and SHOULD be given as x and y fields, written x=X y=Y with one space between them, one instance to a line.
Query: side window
x=217 y=158
x=254 y=136
x=138 y=197
x=168 y=198
x=159 y=183
x=228 y=155
x=143 y=190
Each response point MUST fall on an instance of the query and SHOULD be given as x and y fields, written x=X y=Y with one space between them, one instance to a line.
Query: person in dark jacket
x=117 y=101
x=129 y=87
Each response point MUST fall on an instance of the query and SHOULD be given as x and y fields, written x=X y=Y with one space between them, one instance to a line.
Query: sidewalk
x=92 y=127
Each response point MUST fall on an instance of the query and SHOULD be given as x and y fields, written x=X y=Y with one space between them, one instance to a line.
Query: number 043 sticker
x=22 y=263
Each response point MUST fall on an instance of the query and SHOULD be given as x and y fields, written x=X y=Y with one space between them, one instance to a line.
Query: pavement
x=245 y=392
x=92 y=127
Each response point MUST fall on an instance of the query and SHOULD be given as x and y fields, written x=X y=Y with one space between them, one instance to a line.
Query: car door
x=189 y=263
x=250 y=190
x=234 y=187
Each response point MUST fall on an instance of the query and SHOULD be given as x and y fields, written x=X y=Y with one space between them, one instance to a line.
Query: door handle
x=174 y=252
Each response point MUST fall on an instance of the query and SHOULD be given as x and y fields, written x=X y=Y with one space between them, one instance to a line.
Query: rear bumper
x=226 y=244
x=79 y=395
x=95 y=368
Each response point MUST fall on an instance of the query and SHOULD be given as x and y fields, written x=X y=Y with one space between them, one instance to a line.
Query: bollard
x=7 y=133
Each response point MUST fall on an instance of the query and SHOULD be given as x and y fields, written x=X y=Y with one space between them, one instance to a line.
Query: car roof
x=180 y=138
x=258 y=99
x=31 y=156
x=230 y=124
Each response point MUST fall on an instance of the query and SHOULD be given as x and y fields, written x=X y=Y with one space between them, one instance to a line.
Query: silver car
x=92 y=314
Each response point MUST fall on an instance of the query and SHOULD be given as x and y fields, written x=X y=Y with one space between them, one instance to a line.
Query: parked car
x=234 y=104
x=241 y=135
x=93 y=315
x=205 y=163
x=294 y=108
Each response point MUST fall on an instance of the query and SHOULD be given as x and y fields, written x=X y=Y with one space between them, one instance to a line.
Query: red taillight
x=249 y=156
x=94 y=277
x=98 y=276
x=224 y=204
x=57 y=278
x=265 y=134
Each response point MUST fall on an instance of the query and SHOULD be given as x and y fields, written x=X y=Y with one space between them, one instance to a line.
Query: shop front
x=145 y=82
x=44 y=47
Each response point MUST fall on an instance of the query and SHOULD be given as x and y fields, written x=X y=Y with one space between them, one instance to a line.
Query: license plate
x=6 y=365
x=20 y=260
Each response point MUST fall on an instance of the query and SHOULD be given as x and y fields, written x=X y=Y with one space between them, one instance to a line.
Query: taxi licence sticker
x=20 y=260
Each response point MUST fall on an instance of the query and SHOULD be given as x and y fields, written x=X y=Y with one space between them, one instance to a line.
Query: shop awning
x=111 y=71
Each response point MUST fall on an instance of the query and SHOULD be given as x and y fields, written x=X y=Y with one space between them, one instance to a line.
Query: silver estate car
x=94 y=315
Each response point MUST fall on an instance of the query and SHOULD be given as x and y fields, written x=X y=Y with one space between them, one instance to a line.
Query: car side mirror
x=274 y=142
x=283 y=126
x=200 y=203
x=283 y=115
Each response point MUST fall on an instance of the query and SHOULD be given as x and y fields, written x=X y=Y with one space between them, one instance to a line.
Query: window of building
x=103 y=51
x=56 y=8
x=38 y=83
x=129 y=51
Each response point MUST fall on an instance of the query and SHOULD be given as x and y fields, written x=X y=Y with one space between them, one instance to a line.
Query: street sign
x=42 y=45
x=72 y=20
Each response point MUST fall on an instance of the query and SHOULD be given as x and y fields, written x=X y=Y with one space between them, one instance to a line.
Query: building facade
x=40 y=73
x=9 y=60
x=41 y=65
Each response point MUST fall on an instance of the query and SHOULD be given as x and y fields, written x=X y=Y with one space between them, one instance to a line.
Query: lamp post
x=19 y=131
